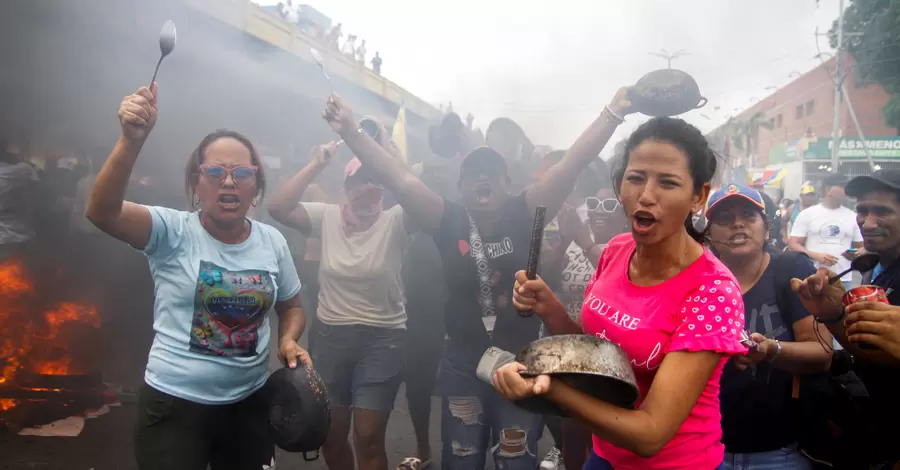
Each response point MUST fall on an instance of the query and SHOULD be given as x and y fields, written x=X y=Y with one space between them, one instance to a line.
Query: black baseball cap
x=882 y=179
x=483 y=160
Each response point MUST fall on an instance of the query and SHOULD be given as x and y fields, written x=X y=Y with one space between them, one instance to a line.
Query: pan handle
x=701 y=103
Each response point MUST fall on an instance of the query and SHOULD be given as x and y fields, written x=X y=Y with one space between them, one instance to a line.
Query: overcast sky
x=552 y=65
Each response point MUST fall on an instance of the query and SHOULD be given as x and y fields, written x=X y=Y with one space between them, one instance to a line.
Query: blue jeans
x=786 y=458
x=597 y=463
x=473 y=414
x=361 y=365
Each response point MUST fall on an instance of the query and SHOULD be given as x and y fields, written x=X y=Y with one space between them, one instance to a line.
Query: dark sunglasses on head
x=594 y=204
x=239 y=173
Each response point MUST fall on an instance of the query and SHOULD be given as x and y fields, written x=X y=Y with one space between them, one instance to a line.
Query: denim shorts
x=361 y=365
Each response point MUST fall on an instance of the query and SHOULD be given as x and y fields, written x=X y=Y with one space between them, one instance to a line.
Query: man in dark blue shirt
x=870 y=331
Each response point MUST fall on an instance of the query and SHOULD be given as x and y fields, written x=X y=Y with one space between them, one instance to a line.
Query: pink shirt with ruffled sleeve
x=700 y=309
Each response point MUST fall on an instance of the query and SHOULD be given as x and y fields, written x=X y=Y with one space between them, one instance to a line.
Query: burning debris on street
x=45 y=345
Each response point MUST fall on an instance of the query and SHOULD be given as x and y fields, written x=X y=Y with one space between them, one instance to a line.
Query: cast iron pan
x=592 y=365
x=299 y=412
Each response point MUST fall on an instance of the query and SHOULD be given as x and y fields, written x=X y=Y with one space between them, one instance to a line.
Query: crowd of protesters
x=744 y=353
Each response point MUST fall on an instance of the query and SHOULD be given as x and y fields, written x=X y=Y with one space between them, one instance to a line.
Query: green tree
x=874 y=41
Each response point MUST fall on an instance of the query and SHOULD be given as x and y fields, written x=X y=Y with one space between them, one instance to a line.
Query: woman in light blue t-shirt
x=216 y=275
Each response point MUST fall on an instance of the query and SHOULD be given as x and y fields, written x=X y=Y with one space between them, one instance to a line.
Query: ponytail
x=698 y=236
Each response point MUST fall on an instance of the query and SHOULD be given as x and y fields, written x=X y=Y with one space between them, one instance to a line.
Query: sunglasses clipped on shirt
x=594 y=204
x=240 y=174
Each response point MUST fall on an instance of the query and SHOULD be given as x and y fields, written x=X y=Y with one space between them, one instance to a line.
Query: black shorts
x=177 y=434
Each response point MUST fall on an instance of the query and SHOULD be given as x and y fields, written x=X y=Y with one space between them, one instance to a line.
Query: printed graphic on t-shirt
x=574 y=280
x=830 y=233
x=713 y=310
x=496 y=250
x=229 y=307
x=766 y=320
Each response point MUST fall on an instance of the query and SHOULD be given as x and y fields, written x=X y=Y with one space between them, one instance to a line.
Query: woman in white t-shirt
x=360 y=337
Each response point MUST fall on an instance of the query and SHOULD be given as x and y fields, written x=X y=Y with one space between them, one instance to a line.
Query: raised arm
x=554 y=186
x=285 y=205
x=421 y=204
x=106 y=205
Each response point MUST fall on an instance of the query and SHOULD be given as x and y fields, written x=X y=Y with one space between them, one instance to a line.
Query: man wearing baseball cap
x=483 y=241
x=870 y=330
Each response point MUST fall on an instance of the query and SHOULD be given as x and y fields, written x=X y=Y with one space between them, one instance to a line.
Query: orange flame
x=34 y=342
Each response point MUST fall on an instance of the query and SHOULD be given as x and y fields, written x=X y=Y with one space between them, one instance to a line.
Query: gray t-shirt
x=360 y=275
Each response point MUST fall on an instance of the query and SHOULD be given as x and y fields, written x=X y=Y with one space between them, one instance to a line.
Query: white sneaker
x=553 y=460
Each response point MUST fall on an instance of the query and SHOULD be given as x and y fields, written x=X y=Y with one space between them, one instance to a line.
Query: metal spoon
x=166 y=45
x=863 y=263
x=321 y=63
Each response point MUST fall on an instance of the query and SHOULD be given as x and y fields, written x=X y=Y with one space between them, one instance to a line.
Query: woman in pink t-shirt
x=665 y=299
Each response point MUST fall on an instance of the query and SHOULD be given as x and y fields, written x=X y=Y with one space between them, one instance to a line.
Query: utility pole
x=838 y=87
x=664 y=54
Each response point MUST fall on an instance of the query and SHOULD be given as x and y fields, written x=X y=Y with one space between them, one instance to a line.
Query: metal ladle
x=321 y=63
x=166 y=45
x=863 y=263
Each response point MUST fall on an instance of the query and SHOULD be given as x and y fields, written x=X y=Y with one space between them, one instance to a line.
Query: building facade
x=791 y=130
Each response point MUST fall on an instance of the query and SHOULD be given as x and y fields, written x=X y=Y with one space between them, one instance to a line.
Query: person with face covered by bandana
x=360 y=340
x=482 y=241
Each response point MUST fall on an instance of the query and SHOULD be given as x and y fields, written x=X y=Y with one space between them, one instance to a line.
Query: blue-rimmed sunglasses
x=239 y=173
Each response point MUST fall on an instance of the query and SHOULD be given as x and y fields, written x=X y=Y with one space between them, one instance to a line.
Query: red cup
x=865 y=294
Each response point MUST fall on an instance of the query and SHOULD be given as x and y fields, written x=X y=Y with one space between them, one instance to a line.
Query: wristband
x=835 y=319
x=778 y=349
x=612 y=115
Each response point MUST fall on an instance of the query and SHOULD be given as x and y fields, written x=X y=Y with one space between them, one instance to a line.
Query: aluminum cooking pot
x=299 y=412
x=592 y=365
x=666 y=92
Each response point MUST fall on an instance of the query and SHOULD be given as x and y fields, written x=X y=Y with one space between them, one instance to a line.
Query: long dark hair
x=702 y=160
x=192 y=169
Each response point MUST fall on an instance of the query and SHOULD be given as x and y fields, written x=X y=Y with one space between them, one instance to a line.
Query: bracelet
x=778 y=349
x=612 y=115
x=836 y=319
